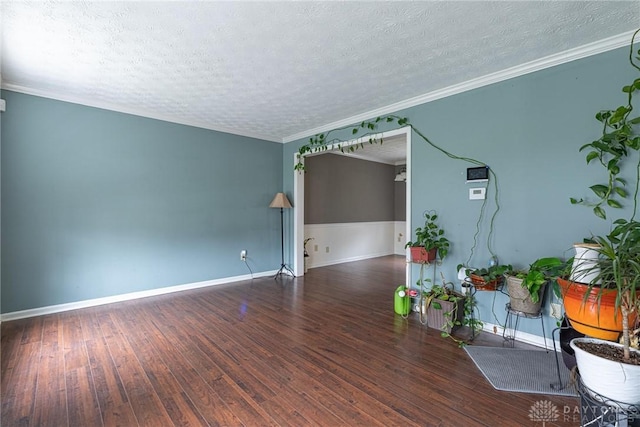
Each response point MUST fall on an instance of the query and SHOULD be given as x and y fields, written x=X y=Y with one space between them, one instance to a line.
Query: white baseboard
x=523 y=337
x=41 y=311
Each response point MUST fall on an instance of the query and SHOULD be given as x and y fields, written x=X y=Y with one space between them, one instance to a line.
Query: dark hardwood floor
x=326 y=349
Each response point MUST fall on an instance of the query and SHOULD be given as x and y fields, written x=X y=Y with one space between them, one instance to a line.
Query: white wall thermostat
x=477 y=193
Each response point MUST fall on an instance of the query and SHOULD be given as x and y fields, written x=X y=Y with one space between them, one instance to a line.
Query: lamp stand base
x=284 y=270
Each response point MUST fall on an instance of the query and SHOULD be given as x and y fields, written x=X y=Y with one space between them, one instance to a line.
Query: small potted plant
x=488 y=279
x=430 y=241
x=447 y=310
x=525 y=288
x=444 y=307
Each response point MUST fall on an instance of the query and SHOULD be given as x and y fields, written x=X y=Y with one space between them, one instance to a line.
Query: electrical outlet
x=243 y=255
x=326 y=249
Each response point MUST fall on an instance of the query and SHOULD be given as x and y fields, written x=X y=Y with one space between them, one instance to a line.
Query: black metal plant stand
x=565 y=334
x=509 y=324
x=600 y=411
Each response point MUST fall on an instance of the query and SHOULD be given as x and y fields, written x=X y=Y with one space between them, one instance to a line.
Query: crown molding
x=133 y=111
x=570 y=55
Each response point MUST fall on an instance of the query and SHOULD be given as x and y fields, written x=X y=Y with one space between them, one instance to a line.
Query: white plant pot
x=617 y=381
x=462 y=274
x=585 y=263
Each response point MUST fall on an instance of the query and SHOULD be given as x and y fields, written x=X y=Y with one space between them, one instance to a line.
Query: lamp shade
x=280 y=201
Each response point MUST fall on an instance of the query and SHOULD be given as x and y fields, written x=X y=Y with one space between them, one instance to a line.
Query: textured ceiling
x=277 y=70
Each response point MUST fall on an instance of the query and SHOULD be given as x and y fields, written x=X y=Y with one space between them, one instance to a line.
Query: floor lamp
x=281 y=201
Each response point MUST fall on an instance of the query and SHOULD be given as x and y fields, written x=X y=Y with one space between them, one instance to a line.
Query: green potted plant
x=447 y=310
x=525 y=288
x=487 y=279
x=589 y=304
x=430 y=241
x=444 y=308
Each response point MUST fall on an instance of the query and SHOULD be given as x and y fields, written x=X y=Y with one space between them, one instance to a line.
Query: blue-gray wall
x=97 y=203
x=529 y=130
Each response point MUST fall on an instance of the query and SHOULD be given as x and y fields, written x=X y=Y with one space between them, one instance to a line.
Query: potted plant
x=430 y=241
x=488 y=279
x=588 y=308
x=525 y=288
x=446 y=310
x=591 y=309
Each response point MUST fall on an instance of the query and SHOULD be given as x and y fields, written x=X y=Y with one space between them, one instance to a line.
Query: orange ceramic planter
x=590 y=317
x=481 y=285
x=420 y=254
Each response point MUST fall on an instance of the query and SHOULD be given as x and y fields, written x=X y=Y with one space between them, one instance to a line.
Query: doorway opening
x=298 y=195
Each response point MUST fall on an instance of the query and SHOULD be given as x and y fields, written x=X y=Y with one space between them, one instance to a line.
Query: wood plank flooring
x=325 y=350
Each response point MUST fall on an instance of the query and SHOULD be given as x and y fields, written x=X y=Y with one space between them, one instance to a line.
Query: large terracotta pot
x=591 y=317
x=420 y=254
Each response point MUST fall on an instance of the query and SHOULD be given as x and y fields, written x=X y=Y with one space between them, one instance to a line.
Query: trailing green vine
x=617 y=137
x=437 y=294
x=322 y=142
